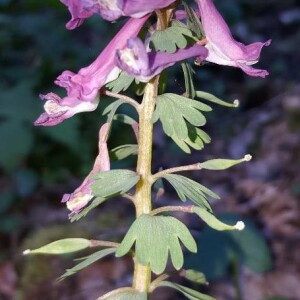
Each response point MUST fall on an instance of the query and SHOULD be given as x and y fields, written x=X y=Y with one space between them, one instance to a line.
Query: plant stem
x=162 y=173
x=142 y=197
x=126 y=99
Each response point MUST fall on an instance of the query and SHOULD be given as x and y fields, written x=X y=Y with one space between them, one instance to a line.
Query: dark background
x=39 y=165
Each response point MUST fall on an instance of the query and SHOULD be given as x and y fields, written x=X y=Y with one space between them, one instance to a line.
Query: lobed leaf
x=179 y=115
x=189 y=293
x=122 y=83
x=61 y=247
x=188 y=188
x=88 y=261
x=154 y=238
x=193 y=22
x=172 y=38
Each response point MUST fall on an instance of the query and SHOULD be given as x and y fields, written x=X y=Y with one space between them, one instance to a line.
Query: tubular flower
x=83 y=194
x=135 y=60
x=110 y=9
x=223 y=49
x=83 y=88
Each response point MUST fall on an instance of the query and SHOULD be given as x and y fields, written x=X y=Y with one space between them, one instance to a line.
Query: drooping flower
x=83 y=88
x=110 y=9
x=135 y=60
x=83 y=194
x=223 y=49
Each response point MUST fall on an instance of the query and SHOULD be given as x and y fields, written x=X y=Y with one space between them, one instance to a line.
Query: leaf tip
x=26 y=252
x=247 y=157
x=240 y=225
x=236 y=103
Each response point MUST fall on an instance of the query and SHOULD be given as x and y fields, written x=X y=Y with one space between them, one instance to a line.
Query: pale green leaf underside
x=123 y=151
x=62 y=247
x=88 y=261
x=172 y=38
x=154 y=238
x=221 y=164
x=179 y=116
x=189 y=189
x=126 y=293
x=108 y=184
x=214 y=99
x=122 y=83
x=113 y=182
x=189 y=293
x=212 y=221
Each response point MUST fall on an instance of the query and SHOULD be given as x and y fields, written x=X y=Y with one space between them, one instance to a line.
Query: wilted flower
x=135 y=60
x=83 y=194
x=223 y=49
x=83 y=87
x=110 y=9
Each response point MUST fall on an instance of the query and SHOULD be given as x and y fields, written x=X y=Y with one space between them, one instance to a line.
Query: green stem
x=142 y=197
x=236 y=280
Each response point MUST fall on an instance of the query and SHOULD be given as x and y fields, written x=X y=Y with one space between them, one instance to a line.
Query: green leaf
x=222 y=164
x=123 y=151
x=124 y=119
x=154 y=238
x=61 y=247
x=214 y=99
x=189 y=293
x=214 y=223
x=188 y=79
x=177 y=114
x=88 y=261
x=122 y=83
x=195 y=276
x=114 y=182
x=17 y=142
x=193 y=22
x=188 y=188
x=126 y=293
x=171 y=38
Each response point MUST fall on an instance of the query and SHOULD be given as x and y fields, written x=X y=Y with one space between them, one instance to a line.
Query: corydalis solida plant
x=153 y=237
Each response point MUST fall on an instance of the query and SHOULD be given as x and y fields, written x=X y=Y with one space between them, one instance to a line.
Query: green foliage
x=188 y=80
x=171 y=38
x=61 y=247
x=214 y=99
x=123 y=151
x=214 y=223
x=126 y=293
x=193 y=22
x=108 y=184
x=154 y=238
x=219 y=249
x=122 y=83
x=223 y=164
x=177 y=115
x=86 y=261
x=189 y=293
x=188 y=188
x=195 y=276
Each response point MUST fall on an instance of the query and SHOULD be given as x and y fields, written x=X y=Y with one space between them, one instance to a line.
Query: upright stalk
x=142 y=197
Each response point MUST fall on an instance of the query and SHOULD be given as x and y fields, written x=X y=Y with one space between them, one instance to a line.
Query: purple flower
x=135 y=60
x=83 y=88
x=223 y=49
x=110 y=9
x=83 y=194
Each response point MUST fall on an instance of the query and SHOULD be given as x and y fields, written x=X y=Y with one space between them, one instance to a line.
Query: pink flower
x=83 y=88
x=83 y=194
x=223 y=49
x=110 y=9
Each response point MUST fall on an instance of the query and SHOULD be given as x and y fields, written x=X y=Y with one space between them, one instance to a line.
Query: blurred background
x=39 y=165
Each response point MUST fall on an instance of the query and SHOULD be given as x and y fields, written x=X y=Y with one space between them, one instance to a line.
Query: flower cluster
x=128 y=52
